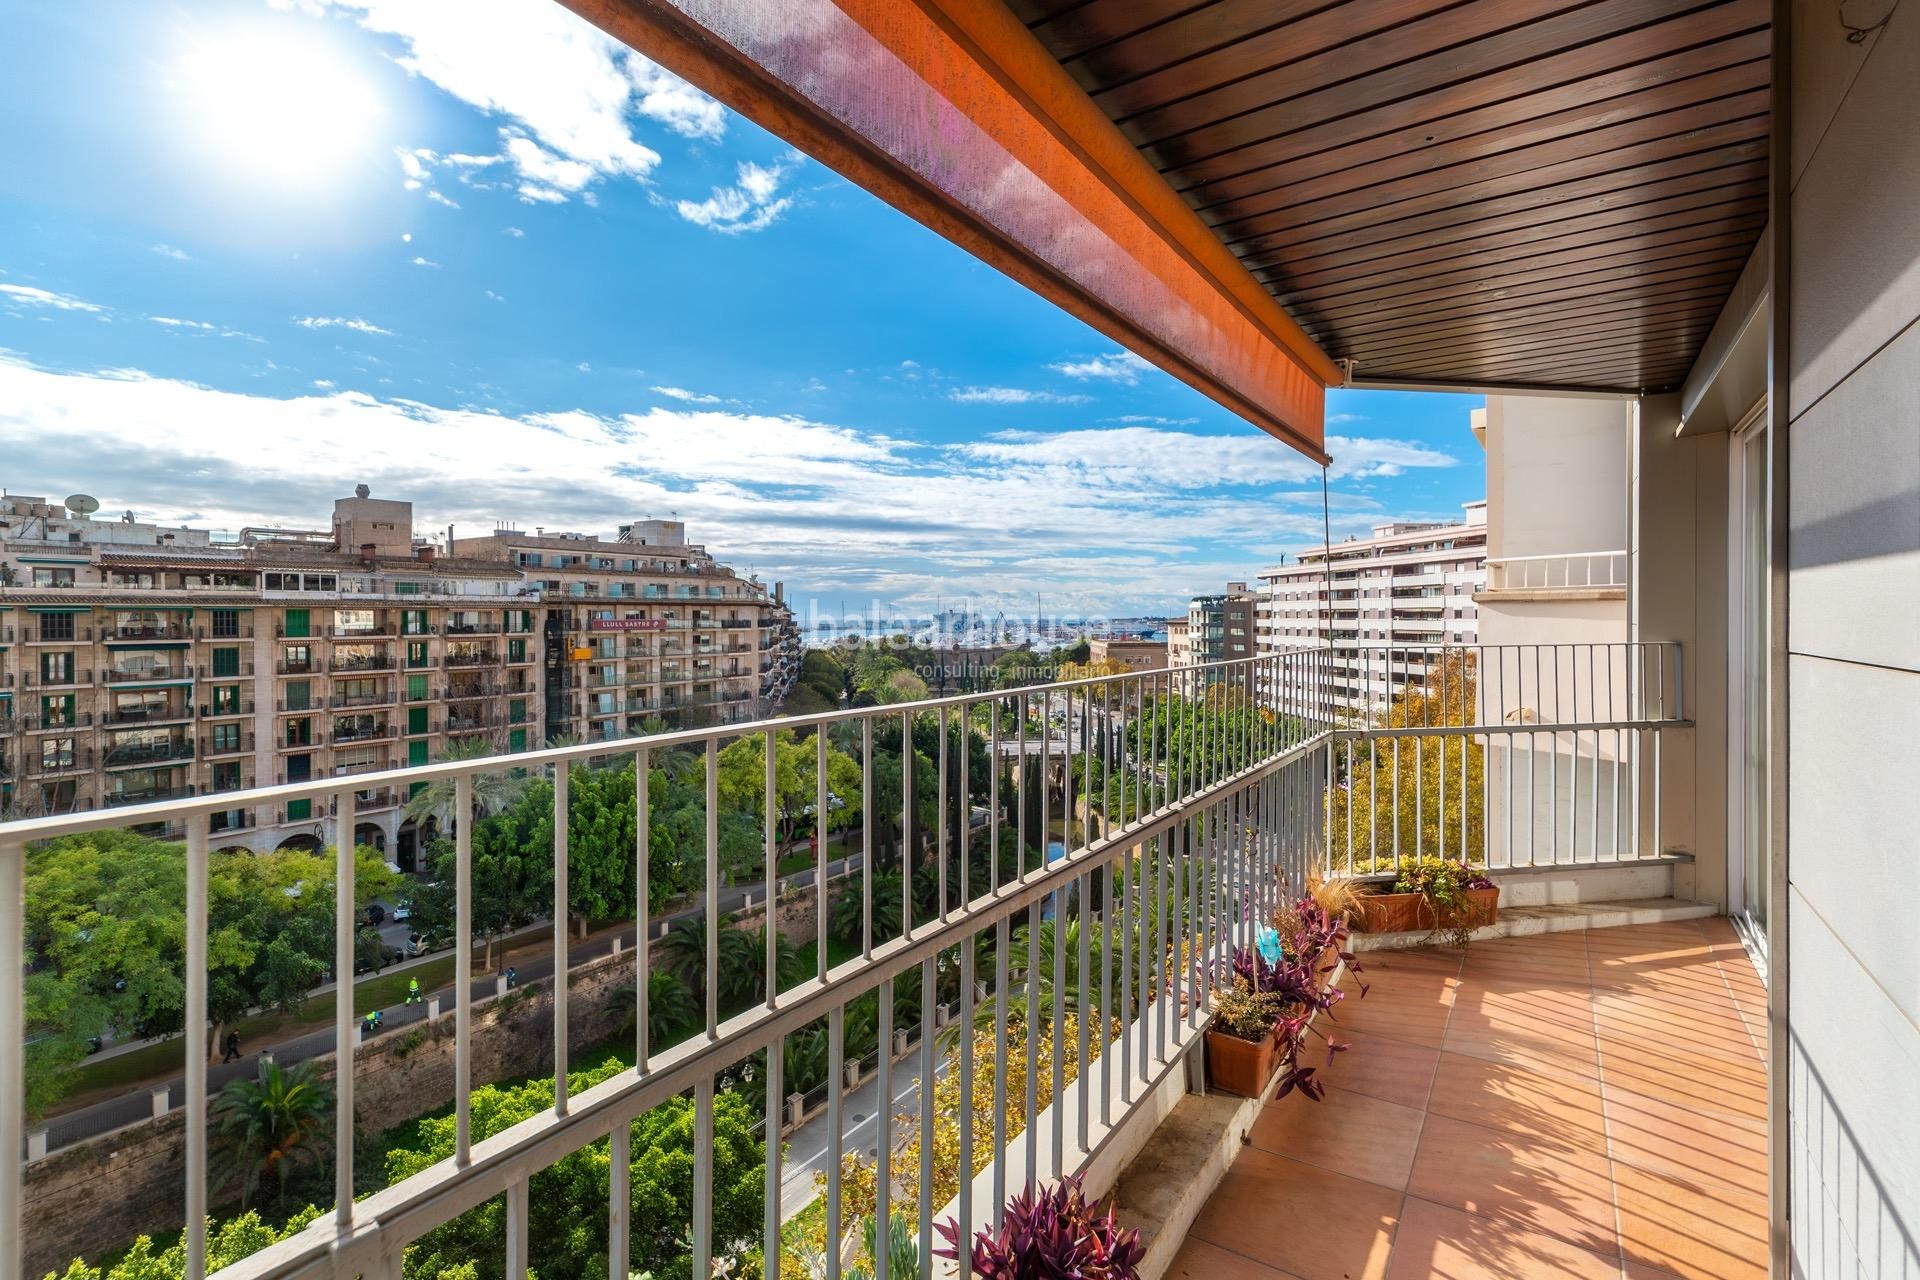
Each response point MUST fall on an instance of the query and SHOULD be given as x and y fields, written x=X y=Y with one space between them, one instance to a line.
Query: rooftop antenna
x=83 y=505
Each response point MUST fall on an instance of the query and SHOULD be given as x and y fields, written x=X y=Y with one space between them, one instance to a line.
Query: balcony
x=68 y=679
x=151 y=795
x=361 y=733
x=1562 y=574
x=239 y=630
x=484 y=658
x=158 y=673
x=56 y=723
x=214 y=746
x=470 y=692
x=129 y=755
x=132 y=717
x=356 y=662
x=45 y=634
x=385 y=697
x=471 y=628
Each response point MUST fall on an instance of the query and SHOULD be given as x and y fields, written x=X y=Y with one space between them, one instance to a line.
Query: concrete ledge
x=1521 y=922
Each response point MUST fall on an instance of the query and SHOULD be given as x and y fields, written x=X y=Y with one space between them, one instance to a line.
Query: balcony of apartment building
x=361 y=728
x=351 y=658
x=225 y=624
x=470 y=655
x=367 y=693
x=147 y=709
x=143 y=668
x=1612 y=1079
x=464 y=624
x=226 y=740
x=147 y=786
x=361 y=624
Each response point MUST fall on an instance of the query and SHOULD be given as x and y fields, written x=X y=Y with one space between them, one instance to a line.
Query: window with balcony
x=224 y=624
x=299 y=769
x=52 y=577
x=299 y=810
x=226 y=661
x=354 y=622
x=417 y=720
x=297 y=657
x=416 y=653
x=56 y=626
x=227 y=776
x=299 y=732
x=416 y=688
x=56 y=710
x=56 y=753
x=56 y=668
x=414 y=622
x=225 y=737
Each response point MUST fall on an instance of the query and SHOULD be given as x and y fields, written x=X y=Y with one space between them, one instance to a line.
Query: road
x=806 y=1152
x=136 y=1104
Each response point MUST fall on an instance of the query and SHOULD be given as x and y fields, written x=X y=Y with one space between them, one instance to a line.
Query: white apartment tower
x=1380 y=601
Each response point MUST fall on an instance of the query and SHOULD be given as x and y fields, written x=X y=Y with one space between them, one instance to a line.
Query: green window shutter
x=517 y=740
x=297 y=624
x=516 y=651
x=417 y=654
x=226 y=661
x=416 y=688
x=299 y=695
x=417 y=723
x=299 y=810
x=517 y=711
x=417 y=751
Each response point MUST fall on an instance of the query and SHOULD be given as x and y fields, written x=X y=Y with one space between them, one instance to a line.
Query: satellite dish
x=82 y=504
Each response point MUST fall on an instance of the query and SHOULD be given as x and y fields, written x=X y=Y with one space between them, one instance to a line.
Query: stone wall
x=98 y=1195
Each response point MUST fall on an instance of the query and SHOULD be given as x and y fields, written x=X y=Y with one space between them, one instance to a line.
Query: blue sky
x=476 y=254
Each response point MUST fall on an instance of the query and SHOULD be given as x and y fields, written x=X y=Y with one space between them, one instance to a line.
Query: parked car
x=376 y=914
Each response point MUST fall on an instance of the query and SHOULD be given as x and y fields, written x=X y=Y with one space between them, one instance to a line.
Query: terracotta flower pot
x=1410 y=913
x=1240 y=1066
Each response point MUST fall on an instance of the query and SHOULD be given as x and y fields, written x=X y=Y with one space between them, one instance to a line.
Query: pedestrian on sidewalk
x=233 y=1048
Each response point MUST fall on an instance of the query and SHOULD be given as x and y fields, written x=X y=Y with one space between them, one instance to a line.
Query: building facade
x=1407 y=589
x=140 y=662
x=1133 y=654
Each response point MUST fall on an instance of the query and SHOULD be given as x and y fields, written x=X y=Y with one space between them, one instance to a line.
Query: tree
x=512 y=866
x=569 y=1236
x=1414 y=784
x=743 y=782
x=493 y=791
x=683 y=952
x=268 y=1125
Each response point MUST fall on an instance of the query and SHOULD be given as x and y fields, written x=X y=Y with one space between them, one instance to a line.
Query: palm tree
x=671 y=1008
x=492 y=792
x=786 y=959
x=684 y=953
x=270 y=1124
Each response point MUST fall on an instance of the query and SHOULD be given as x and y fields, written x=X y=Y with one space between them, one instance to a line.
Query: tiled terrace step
x=1558 y=917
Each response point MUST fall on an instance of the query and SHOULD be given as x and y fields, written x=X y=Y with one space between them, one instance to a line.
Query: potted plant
x=1448 y=897
x=1242 y=1045
x=1293 y=962
x=1049 y=1233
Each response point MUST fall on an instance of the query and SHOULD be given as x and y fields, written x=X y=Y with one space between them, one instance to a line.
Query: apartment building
x=1131 y=653
x=1407 y=587
x=640 y=626
x=141 y=662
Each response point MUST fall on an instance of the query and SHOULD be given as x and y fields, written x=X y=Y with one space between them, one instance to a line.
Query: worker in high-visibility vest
x=413 y=991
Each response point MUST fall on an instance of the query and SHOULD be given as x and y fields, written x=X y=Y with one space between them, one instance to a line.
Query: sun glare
x=267 y=105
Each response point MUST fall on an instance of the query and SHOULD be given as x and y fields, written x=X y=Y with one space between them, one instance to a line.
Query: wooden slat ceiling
x=1497 y=192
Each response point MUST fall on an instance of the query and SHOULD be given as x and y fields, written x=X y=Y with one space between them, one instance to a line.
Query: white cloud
x=448 y=201
x=1117 y=366
x=168 y=251
x=201 y=326
x=565 y=84
x=27 y=295
x=1153 y=420
x=325 y=384
x=754 y=203
x=419 y=261
x=342 y=322
x=1098 y=520
x=584 y=367
x=495 y=296
x=515 y=232
x=1189 y=460
x=1012 y=395
x=685 y=396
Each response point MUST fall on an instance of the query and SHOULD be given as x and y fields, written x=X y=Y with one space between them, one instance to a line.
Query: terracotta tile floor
x=1577 y=1104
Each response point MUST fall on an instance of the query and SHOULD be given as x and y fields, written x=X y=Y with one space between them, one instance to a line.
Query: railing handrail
x=1557 y=555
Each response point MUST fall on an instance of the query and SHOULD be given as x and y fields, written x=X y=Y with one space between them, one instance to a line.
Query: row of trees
x=106 y=941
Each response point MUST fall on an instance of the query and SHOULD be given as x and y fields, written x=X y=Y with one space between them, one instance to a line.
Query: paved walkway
x=1582 y=1104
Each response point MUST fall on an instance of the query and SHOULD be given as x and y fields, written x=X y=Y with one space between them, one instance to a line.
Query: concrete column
x=796 y=1108
x=899 y=1044
x=160 y=1103
x=37 y=1145
x=433 y=1007
x=853 y=1074
x=616 y=944
x=1679 y=575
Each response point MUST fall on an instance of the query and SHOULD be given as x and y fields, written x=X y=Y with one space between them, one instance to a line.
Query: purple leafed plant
x=1053 y=1233
x=1313 y=943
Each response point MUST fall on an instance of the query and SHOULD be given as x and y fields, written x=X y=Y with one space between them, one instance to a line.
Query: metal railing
x=1513 y=755
x=1181 y=822
x=1162 y=813
x=1565 y=571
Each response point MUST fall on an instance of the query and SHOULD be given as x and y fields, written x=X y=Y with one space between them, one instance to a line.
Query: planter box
x=1409 y=912
x=1240 y=1066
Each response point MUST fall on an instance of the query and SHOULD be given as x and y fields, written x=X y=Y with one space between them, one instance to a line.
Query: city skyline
x=570 y=295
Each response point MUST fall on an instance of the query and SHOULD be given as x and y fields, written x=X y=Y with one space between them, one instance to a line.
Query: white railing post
x=13 y=1039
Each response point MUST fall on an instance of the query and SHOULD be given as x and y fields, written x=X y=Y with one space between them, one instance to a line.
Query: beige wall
x=1556 y=474
x=1852 y=439
x=1677 y=571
